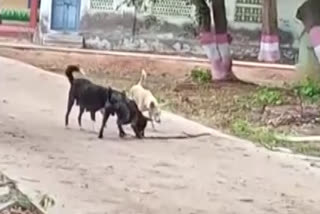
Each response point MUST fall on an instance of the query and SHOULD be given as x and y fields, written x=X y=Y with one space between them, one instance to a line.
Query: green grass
x=262 y=97
x=261 y=135
x=267 y=96
x=267 y=138
x=200 y=75
x=308 y=90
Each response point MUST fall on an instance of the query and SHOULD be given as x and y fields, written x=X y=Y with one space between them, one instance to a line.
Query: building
x=18 y=17
x=165 y=27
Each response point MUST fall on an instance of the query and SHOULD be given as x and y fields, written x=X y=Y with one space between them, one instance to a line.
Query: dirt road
x=87 y=175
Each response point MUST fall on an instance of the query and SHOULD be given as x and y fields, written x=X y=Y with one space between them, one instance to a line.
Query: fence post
x=33 y=13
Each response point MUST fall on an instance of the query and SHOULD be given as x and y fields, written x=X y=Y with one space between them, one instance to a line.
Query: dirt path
x=86 y=175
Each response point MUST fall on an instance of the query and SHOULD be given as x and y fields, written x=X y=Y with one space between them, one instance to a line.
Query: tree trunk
x=309 y=54
x=215 y=44
x=222 y=60
x=309 y=14
x=269 y=44
x=0 y=12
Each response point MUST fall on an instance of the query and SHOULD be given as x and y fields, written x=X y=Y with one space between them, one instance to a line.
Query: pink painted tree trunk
x=315 y=40
x=216 y=44
x=269 y=44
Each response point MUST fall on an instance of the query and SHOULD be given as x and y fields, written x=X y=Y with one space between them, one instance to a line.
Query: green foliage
x=200 y=75
x=15 y=15
x=308 y=89
x=267 y=96
x=262 y=135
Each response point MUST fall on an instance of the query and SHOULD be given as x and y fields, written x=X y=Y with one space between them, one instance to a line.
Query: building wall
x=104 y=27
x=14 y=11
x=14 y=4
x=249 y=32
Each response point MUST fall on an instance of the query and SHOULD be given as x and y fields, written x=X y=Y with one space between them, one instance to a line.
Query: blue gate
x=65 y=15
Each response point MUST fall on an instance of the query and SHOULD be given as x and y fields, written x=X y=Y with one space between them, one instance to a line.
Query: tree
x=308 y=13
x=309 y=59
x=216 y=43
x=269 y=44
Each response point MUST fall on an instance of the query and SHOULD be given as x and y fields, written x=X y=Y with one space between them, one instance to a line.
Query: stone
x=177 y=46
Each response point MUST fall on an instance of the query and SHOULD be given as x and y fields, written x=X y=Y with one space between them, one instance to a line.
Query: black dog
x=87 y=95
x=127 y=113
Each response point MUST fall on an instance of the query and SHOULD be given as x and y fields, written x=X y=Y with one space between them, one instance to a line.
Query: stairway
x=71 y=40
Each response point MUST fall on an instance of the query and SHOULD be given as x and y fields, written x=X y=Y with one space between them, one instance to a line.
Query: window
x=248 y=11
x=177 y=8
x=103 y=5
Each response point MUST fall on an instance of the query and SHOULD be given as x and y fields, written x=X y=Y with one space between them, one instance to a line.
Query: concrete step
x=63 y=40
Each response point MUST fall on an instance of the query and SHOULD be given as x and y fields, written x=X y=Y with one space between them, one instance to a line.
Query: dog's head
x=75 y=68
x=140 y=121
x=155 y=112
x=141 y=125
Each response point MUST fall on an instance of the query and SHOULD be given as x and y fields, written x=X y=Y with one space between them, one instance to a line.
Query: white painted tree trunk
x=217 y=44
x=269 y=44
x=217 y=49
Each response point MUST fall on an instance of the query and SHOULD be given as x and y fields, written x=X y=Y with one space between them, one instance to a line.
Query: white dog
x=145 y=99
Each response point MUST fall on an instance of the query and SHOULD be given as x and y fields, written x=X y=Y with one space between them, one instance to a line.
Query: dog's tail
x=69 y=72
x=143 y=77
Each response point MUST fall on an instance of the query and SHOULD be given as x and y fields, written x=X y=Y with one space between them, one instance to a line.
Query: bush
x=200 y=75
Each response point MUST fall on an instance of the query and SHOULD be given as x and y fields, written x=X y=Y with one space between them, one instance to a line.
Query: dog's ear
x=73 y=68
x=123 y=94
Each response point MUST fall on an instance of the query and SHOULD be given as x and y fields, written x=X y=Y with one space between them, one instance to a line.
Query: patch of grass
x=200 y=75
x=262 y=97
x=262 y=135
x=267 y=96
x=310 y=148
x=267 y=138
x=308 y=90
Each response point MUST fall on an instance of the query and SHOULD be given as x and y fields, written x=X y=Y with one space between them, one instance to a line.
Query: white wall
x=45 y=15
x=286 y=17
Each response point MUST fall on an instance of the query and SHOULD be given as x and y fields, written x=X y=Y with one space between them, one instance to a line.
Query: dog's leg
x=135 y=129
x=102 y=113
x=69 y=107
x=81 y=110
x=104 y=121
x=152 y=123
x=93 y=119
x=121 y=131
